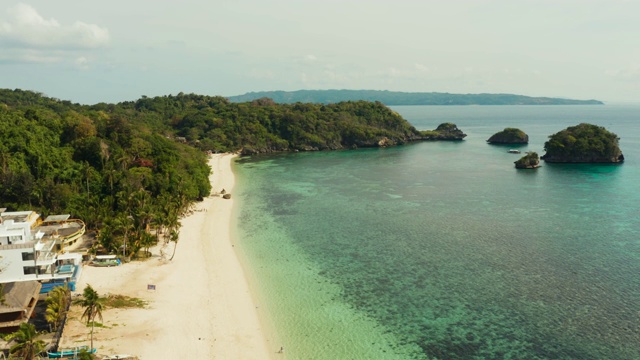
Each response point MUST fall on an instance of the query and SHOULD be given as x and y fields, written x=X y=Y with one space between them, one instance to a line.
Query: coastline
x=201 y=305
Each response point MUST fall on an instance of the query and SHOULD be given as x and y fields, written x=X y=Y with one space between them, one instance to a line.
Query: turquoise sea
x=443 y=250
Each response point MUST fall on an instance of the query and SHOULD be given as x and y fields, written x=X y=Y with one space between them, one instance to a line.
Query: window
x=28 y=270
x=27 y=256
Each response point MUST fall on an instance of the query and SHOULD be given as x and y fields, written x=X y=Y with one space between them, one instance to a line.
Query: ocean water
x=443 y=250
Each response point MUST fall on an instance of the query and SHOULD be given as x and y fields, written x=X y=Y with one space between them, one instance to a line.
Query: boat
x=70 y=352
x=514 y=151
x=105 y=261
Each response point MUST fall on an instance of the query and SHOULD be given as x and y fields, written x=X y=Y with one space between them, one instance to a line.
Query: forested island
x=509 y=136
x=127 y=167
x=391 y=98
x=529 y=161
x=583 y=143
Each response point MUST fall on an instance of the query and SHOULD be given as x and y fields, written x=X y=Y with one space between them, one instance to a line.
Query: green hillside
x=391 y=98
x=125 y=168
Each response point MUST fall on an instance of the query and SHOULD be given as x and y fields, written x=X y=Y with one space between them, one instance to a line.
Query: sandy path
x=201 y=308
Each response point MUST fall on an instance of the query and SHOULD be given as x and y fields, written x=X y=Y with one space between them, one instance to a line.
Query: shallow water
x=443 y=249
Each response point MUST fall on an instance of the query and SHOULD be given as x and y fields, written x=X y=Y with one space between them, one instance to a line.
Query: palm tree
x=93 y=305
x=123 y=224
x=57 y=302
x=174 y=236
x=27 y=346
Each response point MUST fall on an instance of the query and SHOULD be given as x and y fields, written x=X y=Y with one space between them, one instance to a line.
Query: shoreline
x=202 y=304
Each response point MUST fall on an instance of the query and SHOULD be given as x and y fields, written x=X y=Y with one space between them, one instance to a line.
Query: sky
x=111 y=51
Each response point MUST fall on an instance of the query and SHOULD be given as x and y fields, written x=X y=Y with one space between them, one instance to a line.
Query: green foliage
x=94 y=162
x=263 y=126
x=84 y=354
x=444 y=131
x=93 y=305
x=122 y=301
x=583 y=143
x=27 y=345
x=129 y=167
x=531 y=160
x=57 y=301
x=509 y=136
x=404 y=98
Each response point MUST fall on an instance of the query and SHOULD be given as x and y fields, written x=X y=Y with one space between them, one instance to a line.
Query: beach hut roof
x=18 y=295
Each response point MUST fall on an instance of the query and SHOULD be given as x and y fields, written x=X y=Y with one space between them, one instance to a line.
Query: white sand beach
x=201 y=307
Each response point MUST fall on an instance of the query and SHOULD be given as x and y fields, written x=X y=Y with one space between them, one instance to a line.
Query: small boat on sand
x=105 y=261
x=67 y=353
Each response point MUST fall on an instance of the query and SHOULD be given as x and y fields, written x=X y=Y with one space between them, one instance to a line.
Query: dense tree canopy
x=405 y=98
x=583 y=143
x=529 y=161
x=124 y=168
x=213 y=123
x=444 y=131
x=101 y=164
x=509 y=136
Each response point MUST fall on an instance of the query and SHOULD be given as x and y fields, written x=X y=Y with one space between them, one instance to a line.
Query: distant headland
x=391 y=98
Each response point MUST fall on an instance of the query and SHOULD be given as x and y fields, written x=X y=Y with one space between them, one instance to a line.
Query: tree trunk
x=92 y=323
x=174 y=251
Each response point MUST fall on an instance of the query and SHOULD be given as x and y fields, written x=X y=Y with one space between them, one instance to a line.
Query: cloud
x=82 y=63
x=27 y=36
x=630 y=73
x=15 y=56
x=421 y=68
x=261 y=74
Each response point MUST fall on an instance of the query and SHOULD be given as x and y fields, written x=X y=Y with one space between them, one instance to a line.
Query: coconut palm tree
x=174 y=235
x=93 y=305
x=57 y=302
x=27 y=345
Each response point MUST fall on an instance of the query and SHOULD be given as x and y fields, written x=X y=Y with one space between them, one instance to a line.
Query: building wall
x=12 y=264
x=12 y=233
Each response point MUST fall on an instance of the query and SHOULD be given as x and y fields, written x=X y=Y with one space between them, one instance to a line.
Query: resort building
x=30 y=249
x=17 y=305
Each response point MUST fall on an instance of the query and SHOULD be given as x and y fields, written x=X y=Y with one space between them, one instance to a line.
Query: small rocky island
x=584 y=143
x=511 y=136
x=445 y=131
x=529 y=161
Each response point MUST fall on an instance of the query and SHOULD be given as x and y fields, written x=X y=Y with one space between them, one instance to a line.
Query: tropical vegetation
x=130 y=168
x=509 y=136
x=583 y=143
x=529 y=161
x=405 y=98
x=27 y=345
x=58 y=301
x=444 y=131
x=114 y=167
x=93 y=305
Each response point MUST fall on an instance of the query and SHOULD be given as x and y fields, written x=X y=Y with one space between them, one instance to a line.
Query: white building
x=27 y=253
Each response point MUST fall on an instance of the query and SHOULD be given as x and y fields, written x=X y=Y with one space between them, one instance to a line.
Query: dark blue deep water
x=443 y=250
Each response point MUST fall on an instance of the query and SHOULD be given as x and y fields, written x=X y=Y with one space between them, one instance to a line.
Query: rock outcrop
x=509 y=136
x=529 y=161
x=584 y=143
x=445 y=131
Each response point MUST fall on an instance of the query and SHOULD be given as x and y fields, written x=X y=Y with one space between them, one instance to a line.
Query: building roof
x=19 y=216
x=18 y=295
x=54 y=218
